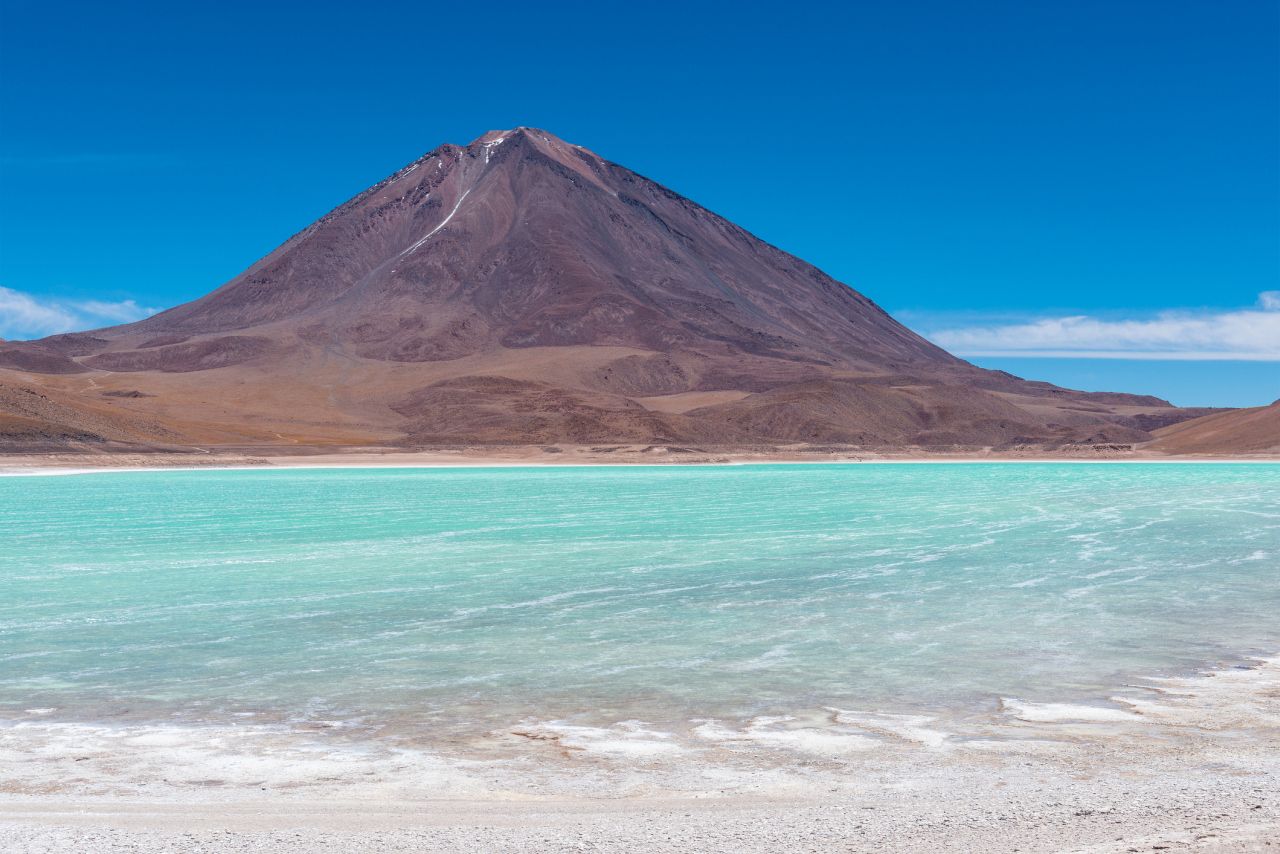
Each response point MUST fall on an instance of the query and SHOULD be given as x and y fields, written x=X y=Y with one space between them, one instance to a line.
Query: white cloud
x=121 y=312
x=23 y=316
x=1250 y=334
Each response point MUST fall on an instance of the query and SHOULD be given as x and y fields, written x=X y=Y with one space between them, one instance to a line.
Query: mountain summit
x=522 y=240
x=521 y=289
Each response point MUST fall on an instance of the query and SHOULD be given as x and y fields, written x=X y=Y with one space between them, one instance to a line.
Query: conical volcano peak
x=496 y=137
x=521 y=240
x=521 y=289
x=538 y=141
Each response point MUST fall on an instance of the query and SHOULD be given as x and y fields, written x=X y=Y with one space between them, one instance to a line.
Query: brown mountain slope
x=523 y=290
x=1239 y=431
x=521 y=240
x=33 y=415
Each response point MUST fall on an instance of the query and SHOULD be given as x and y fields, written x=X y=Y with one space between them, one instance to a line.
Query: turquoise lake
x=470 y=597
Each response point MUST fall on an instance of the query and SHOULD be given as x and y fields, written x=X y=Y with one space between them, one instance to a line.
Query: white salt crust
x=1191 y=762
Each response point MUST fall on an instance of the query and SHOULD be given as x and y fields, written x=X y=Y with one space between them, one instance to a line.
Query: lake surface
x=457 y=600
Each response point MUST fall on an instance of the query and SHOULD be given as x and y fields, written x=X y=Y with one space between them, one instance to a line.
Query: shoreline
x=562 y=457
x=1187 y=761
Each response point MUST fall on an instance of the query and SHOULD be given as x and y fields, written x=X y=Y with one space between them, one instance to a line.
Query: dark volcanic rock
x=37 y=358
x=75 y=343
x=134 y=394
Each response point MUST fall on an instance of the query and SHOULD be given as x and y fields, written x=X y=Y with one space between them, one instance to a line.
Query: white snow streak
x=405 y=173
x=438 y=227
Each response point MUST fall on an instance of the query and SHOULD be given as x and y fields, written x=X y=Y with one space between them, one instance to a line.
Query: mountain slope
x=522 y=289
x=522 y=240
x=1240 y=431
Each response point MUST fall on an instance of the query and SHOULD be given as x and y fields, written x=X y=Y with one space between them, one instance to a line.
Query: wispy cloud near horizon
x=24 y=316
x=1249 y=334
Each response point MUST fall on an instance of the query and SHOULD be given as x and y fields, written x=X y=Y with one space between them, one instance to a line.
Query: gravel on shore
x=1216 y=814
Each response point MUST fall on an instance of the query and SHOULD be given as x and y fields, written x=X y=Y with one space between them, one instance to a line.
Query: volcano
x=523 y=290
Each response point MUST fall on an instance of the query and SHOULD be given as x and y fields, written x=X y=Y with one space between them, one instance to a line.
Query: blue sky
x=1091 y=187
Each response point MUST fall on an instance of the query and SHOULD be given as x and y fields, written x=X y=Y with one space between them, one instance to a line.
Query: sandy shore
x=974 y=822
x=1184 y=763
x=286 y=456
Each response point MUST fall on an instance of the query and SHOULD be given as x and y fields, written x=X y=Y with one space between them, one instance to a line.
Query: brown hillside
x=1239 y=431
x=524 y=290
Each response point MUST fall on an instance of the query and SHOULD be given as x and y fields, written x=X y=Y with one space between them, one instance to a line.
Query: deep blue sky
x=963 y=164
